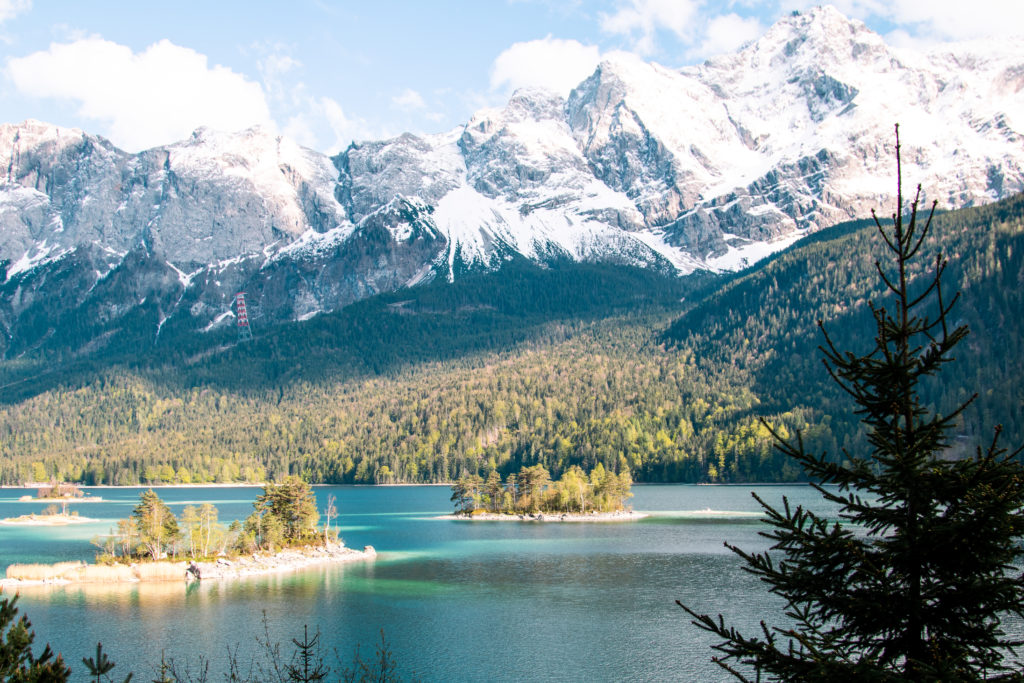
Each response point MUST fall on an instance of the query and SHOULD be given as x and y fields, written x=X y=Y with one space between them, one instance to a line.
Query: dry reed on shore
x=80 y=572
x=42 y=572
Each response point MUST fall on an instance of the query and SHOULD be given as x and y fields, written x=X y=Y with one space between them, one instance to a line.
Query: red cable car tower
x=244 y=331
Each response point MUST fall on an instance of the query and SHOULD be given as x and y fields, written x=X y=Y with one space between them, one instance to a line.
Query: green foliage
x=283 y=514
x=164 y=672
x=762 y=322
x=532 y=490
x=17 y=663
x=383 y=333
x=155 y=525
x=100 y=666
x=594 y=392
x=917 y=579
x=308 y=664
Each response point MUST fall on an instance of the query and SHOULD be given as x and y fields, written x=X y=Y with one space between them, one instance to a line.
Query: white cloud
x=943 y=20
x=858 y=9
x=323 y=118
x=409 y=99
x=902 y=38
x=313 y=121
x=274 y=68
x=946 y=19
x=150 y=98
x=343 y=128
x=301 y=129
x=551 y=63
x=727 y=33
x=12 y=8
x=642 y=19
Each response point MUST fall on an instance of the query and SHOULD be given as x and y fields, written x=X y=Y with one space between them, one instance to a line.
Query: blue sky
x=323 y=72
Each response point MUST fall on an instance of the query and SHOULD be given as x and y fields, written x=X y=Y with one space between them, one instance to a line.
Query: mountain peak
x=536 y=103
x=621 y=68
x=214 y=137
x=823 y=34
x=30 y=133
x=823 y=15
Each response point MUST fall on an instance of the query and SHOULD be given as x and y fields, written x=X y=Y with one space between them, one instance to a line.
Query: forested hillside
x=764 y=322
x=559 y=366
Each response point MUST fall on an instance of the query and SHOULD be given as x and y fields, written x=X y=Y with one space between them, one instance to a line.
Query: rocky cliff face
x=704 y=167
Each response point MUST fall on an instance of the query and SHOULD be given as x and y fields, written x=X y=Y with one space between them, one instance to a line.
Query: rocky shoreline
x=287 y=560
x=547 y=517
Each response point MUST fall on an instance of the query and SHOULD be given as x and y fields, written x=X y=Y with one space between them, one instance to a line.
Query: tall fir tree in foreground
x=917 y=579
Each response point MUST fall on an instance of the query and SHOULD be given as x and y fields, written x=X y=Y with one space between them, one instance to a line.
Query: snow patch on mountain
x=743 y=253
x=38 y=255
x=712 y=166
x=311 y=244
x=276 y=168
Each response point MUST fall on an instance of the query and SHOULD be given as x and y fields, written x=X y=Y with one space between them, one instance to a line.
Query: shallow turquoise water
x=457 y=600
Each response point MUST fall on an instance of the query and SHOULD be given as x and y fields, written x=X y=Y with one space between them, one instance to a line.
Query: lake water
x=456 y=600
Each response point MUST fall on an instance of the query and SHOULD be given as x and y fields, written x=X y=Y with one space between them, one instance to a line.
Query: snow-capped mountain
x=710 y=166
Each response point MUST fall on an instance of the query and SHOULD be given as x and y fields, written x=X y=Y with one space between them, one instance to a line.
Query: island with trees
x=153 y=544
x=52 y=515
x=56 y=514
x=531 y=494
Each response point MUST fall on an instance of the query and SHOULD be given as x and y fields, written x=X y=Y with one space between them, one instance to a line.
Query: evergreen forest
x=531 y=490
x=560 y=366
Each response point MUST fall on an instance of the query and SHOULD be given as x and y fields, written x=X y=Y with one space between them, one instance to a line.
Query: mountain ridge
x=708 y=167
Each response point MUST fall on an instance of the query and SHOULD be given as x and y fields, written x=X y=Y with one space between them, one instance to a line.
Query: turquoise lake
x=457 y=601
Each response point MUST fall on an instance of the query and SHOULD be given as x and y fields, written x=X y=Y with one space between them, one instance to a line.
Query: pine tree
x=154 y=523
x=307 y=664
x=292 y=504
x=916 y=580
x=17 y=663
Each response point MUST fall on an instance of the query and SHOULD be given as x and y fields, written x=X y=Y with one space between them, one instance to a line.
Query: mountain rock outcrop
x=706 y=167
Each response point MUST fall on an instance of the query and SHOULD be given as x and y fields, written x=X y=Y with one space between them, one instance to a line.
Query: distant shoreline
x=546 y=517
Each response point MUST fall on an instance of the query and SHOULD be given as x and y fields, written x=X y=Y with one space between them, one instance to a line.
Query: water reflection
x=457 y=601
x=144 y=594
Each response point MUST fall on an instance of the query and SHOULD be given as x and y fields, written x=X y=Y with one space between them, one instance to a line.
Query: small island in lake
x=281 y=534
x=51 y=516
x=532 y=495
x=61 y=492
x=46 y=519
